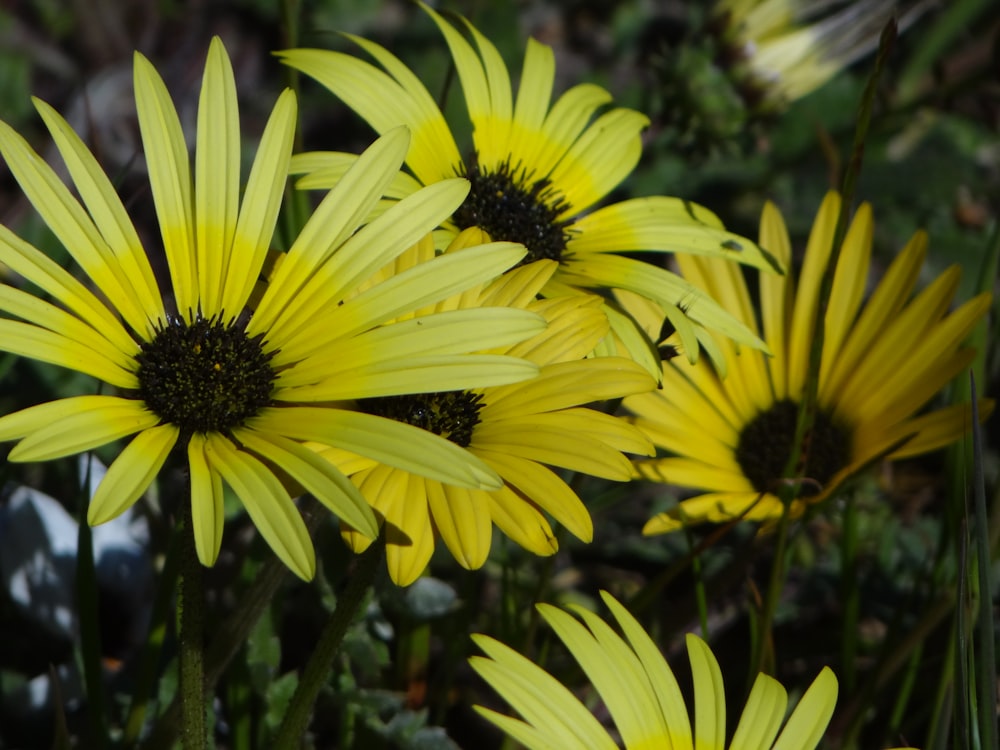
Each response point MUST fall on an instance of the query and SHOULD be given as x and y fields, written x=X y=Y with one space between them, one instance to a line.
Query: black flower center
x=452 y=415
x=204 y=376
x=511 y=206
x=766 y=443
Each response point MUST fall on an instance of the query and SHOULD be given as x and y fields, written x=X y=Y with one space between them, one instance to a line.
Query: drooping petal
x=206 y=502
x=462 y=518
x=267 y=502
x=315 y=474
x=131 y=473
x=543 y=488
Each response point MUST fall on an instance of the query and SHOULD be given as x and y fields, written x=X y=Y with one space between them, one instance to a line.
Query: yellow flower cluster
x=445 y=340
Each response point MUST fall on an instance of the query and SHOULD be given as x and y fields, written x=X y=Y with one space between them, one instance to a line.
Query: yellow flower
x=239 y=390
x=882 y=363
x=517 y=430
x=538 y=170
x=781 y=50
x=641 y=694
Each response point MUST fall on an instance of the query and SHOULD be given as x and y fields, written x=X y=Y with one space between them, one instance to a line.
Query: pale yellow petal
x=267 y=502
x=261 y=201
x=170 y=179
x=808 y=722
x=315 y=474
x=83 y=430
x=709 y=695
x=384 y=440
x=206 y=502
x=131 y=473
x=761 y=718
x=217 y=177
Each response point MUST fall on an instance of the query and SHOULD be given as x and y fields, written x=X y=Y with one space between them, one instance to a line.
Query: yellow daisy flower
x=517 y=430
x=238 y=390
x=537 y=170
x=882 y=363
x=641 y=694
x=781 y=50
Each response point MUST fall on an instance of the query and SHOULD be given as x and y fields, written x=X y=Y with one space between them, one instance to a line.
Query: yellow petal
x=384 y=440
x=217 y=177
x=170 y=180
x=315 y=474
x=206 y=502
x=808 y=722
x=709 y=695
x=131 y=473
x=268 y=504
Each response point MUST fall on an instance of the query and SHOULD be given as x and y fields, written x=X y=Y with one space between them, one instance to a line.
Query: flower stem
x=317 y=669
x=192 y=641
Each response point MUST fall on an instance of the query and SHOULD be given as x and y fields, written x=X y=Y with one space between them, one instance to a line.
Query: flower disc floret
x=766 y=444
x=204 y=376
x=510 y=205
x=452 y=415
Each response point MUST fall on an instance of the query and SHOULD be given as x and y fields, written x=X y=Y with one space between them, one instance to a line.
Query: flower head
x=518 y=430
x=641 y=693
x=882 y=362
x=781 y=50
x=538 y=170
x=233 y=386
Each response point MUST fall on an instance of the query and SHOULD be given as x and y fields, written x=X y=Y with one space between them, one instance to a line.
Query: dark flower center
x=766 y=443
x=511 y=206
x=452 y=415
x=204 y=376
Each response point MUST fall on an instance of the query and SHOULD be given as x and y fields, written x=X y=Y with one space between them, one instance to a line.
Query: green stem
x=986 y=669
x=90 y=633
x=191 y=635
x=764 y=647
x=232 y=633
x=317 y=670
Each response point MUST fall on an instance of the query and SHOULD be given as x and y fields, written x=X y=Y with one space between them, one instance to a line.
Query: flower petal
x=315 y=474
x=462 y=518
x=81 y=431
x=384 y=440
x=217 y=177
x=271 y=509
x=808 y=722
x=131 y=473
x=170 y=180
x=709 y=695
x=206 y=502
